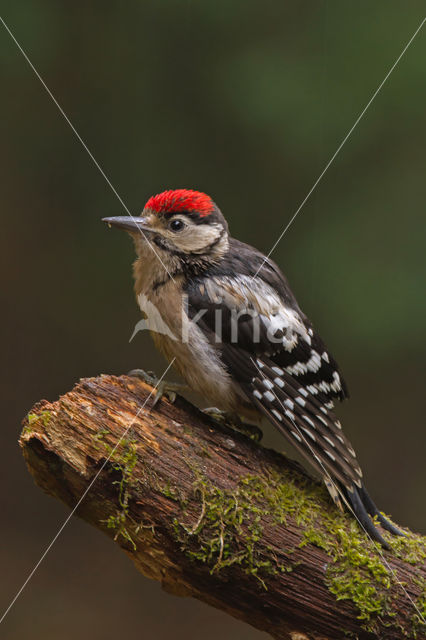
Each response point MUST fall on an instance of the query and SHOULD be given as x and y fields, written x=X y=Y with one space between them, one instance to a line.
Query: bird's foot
x=162 y=387
x=233 y=421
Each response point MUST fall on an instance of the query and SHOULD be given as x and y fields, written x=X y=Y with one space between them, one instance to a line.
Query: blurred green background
x=246 y=101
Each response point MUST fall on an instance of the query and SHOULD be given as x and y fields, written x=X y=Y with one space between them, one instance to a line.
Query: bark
x=213 y=515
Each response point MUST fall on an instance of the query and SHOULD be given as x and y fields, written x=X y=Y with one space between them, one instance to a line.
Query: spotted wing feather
x=281 y=366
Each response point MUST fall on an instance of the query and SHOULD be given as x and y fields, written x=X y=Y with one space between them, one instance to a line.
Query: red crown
x=181 y=200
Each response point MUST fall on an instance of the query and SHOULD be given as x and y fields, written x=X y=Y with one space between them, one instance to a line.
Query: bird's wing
x=280 y=363
x=283 y=367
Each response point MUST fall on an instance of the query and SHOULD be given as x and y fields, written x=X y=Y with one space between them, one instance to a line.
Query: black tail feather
x=373 y=511
x=361 y=512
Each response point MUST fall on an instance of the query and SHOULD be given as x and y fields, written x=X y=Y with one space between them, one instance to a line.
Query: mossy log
x=213 y=515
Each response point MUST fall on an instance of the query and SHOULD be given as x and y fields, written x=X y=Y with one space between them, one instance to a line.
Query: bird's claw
x=234 y=422
x=162 y=387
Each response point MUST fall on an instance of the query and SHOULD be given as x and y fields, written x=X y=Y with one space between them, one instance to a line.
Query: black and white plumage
x=281 y=365
x=249 y=349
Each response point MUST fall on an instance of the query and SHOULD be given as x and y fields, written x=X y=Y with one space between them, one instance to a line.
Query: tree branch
x=213 y=515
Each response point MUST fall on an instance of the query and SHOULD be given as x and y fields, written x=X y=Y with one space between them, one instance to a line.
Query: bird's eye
x=177 y=225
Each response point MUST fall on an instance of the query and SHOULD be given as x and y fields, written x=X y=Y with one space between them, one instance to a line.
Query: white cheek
x=196 y=237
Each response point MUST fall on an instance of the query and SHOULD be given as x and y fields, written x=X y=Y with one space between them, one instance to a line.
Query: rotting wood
x=213 y=515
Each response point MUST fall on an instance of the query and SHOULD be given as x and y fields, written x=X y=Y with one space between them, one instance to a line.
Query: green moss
x=411 y=549
x=123 y=460
x=229 y=528
x=420 y=614
x=27 y=430
x=219 y=530
x=228 y=531
x=170 y=492
x=359 y=575
x=34 y=418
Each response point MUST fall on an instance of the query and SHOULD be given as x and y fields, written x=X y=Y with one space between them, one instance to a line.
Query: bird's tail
x=359 y=503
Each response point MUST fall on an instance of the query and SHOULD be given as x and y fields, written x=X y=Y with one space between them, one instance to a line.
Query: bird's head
x=183 y=224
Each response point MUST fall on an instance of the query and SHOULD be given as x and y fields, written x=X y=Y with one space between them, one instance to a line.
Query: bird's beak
x=129 y=223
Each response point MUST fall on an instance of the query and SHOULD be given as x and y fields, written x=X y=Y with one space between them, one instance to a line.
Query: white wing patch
x=313 y=364
x=284 y=326
x=258 y=296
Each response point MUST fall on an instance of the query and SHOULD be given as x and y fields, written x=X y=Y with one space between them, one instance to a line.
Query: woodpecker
x=238 y=336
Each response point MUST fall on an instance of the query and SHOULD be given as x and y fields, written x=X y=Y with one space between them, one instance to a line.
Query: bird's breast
x=182 y=340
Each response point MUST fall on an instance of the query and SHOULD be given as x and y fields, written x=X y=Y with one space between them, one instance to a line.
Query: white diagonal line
x=80 y=139
x=333 y=157
x=327 y=475
x=86 y=491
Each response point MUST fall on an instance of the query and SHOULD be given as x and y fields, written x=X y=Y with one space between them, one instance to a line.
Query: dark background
x=246 y=101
